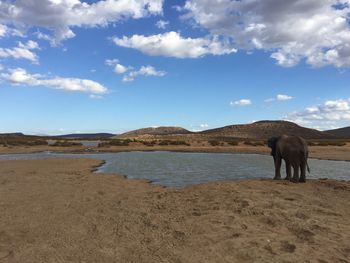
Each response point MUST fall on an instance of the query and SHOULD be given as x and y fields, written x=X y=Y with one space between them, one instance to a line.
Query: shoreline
x=342 y=156
x=59 y=210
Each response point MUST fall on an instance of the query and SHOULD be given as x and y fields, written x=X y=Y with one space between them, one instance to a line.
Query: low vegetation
x=65 y=143
x=215 y=143
x=21 y=141
x=115 y=142
x=254 y=143
x=326 y=143
x=170 y=142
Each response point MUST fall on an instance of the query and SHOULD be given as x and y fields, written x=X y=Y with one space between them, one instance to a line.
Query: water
x=181 y=169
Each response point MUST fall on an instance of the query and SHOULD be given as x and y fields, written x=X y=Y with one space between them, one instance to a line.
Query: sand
x=56 y=210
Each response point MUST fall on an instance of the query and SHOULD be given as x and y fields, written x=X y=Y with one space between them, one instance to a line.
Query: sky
x=70 y=66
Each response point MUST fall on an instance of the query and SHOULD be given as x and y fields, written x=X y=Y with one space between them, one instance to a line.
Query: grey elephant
x=294 y=151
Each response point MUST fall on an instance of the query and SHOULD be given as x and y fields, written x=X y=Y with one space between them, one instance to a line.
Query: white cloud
x=95 y=97
x=172 y=44
x=120 y=69
x=3 y=30
x=242 y=102
x=143 y=71
x=283 y=97
x=133 y=74
x=60 y=15
x=162 y=24
x=330 y=113
x=20 y=76
x=279 y=97
x=111 y=62
x=205 y=125
x=315 y=30
x=22 y=51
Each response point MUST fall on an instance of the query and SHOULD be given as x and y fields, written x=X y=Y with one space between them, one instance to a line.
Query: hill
x=343 y=133
x=163 y=130
x=266 y=129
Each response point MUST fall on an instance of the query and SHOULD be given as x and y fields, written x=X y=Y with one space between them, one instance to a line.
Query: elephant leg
x=303 y=172
x=278 y=162
x=296 y=174
x=288 y=171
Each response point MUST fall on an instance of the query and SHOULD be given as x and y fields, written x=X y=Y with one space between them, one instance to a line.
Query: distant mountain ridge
x=343 y=133
x=163 y=130
x=266 y=129
x=257 y=130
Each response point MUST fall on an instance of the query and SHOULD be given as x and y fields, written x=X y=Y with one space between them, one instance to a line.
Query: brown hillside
x=343 y=133
x=266 y=129
x=156 y=131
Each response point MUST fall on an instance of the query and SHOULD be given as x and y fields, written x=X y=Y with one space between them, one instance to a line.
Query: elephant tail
x=308 y=168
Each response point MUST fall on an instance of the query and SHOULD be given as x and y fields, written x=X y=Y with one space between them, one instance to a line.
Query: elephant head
x=271 y=143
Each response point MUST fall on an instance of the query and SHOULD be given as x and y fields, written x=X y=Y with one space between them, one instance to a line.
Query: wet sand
x=56 y=210
x=337 y=153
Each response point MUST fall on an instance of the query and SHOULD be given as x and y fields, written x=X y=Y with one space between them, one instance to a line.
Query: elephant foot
x=302 y=180
x=294 y=180
x=287 y=178
x=277 y=178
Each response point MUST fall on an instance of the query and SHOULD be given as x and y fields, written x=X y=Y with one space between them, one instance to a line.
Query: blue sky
x=112 y=66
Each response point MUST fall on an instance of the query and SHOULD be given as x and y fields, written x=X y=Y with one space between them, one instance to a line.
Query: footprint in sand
x=287 y=247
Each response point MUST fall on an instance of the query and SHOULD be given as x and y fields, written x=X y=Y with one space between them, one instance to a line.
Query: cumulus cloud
x=172 y=44
x=22 y=51
x=60 y=16
x=118 y=68
x=20 y=76
x=242 y=102
x=330 y=113
x=162 y=24
x=283 y=97
x=131 y=73
x=143 y=71
x=316 y=31
x=3 y=30
x=279 y=97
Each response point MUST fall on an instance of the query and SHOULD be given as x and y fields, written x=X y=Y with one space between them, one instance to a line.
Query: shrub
x=149 y=143
x=169 y=142
x=65 y=144
x=214 y=143
x=115 y=142
x=254 y=143
x=233 y=143
x=23 y=142
x=311 y=143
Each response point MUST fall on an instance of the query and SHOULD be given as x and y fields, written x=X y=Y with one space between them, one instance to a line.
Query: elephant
x=294 y=151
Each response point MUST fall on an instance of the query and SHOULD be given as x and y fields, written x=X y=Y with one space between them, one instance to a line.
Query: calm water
x=180 y=169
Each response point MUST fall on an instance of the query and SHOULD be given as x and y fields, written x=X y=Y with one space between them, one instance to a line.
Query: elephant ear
x=271 y=143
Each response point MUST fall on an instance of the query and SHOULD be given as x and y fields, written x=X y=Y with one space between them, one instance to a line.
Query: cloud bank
x=60 y=16
x=323 y=116
x=316 y=31
x=172 y=44
x=20 y=76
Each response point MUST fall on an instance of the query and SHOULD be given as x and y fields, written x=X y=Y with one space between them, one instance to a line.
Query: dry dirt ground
x=57 y=210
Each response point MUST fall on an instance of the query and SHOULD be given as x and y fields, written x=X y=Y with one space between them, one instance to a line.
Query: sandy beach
x=57 y=210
